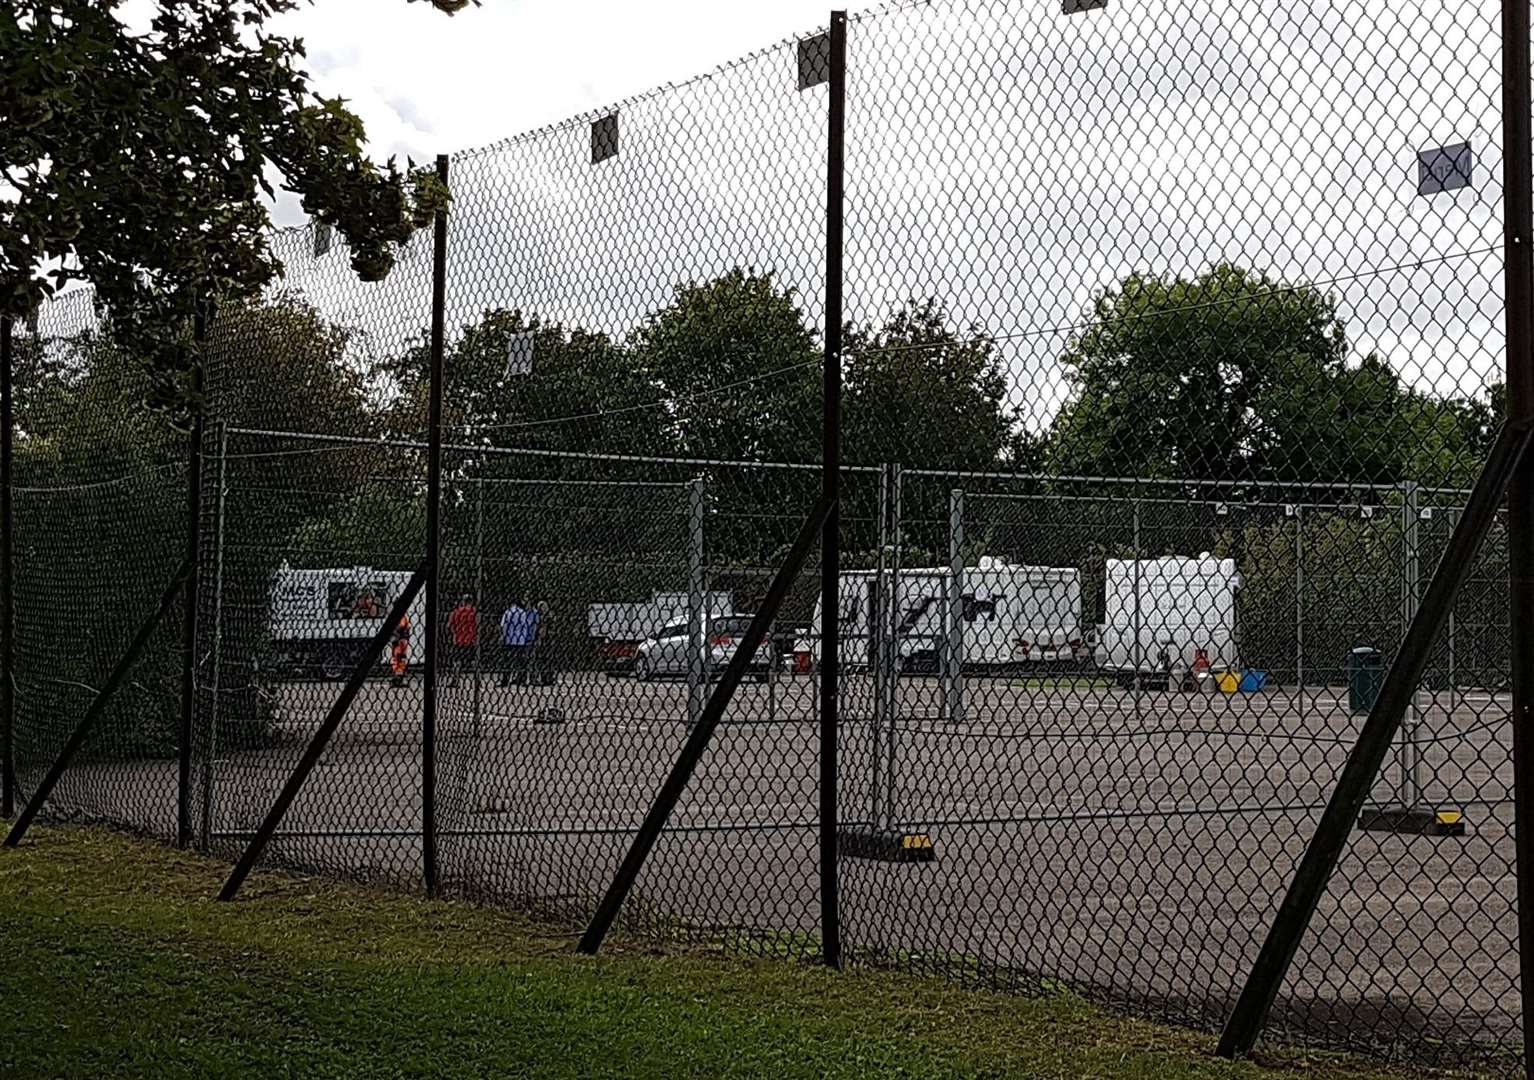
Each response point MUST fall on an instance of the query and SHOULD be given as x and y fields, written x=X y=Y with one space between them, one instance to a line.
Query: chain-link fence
x=1172 y=346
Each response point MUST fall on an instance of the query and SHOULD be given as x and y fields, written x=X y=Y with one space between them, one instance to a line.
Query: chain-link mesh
x=100 y=527
x=314 y=508
x=1173 y=342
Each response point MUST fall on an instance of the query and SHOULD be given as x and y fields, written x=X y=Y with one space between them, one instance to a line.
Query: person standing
x=463 y=633
x=399 y=653
x=519 y=629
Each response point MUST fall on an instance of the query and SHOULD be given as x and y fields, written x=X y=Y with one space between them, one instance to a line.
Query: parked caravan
x=1010 y=614
x=321 y=620
x=1167 y=618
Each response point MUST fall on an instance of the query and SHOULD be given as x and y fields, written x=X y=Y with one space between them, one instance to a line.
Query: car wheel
x=644 y=667
x=333 y=665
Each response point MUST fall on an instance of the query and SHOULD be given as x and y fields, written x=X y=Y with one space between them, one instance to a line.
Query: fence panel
x=1173 y=342
x=633 y=304
x=100 y=527
x=1204 y=308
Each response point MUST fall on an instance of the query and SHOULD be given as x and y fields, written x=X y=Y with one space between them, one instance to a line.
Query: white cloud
x=425 y=83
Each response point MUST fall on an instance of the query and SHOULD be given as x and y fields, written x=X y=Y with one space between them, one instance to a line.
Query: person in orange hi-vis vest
x=399 y=653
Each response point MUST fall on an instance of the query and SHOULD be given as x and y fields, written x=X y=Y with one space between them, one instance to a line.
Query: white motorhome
x=1166 y=618
x=1011 y=615
x=322 y=619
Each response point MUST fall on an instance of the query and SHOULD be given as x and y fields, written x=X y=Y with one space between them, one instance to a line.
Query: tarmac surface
x=1133 y=845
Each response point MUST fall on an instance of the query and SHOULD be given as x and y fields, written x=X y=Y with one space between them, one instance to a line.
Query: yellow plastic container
x=1228 y=682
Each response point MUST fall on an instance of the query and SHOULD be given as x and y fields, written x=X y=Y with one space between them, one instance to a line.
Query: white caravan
x=1166 y=618
x=1011 y=615
x=322 y=619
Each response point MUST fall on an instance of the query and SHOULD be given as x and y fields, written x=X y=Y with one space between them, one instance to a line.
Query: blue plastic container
x=1253 y=681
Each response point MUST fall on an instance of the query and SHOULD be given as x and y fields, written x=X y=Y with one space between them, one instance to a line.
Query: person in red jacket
x=463 y=634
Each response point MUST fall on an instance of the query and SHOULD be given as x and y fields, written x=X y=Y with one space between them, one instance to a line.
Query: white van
x=1167 y=618
x=1012 y=615
x=322 y=619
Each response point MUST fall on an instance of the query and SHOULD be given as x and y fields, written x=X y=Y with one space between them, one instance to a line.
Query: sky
x=1006 y=159
x=425 y=83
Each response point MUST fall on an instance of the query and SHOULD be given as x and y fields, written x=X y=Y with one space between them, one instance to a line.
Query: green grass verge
x=115 y=961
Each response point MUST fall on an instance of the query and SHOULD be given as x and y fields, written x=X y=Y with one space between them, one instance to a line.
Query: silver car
x=667 y=652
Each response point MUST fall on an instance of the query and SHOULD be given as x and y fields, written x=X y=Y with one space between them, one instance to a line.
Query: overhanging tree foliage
x=136 y=160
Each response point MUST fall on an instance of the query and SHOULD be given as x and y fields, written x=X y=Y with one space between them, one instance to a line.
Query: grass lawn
x=115 y=961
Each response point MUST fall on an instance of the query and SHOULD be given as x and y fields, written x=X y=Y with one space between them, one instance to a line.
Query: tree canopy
x=136 y=160
x=736 y=358
x=920 y=393
x=584 y=392
x=1233 y=375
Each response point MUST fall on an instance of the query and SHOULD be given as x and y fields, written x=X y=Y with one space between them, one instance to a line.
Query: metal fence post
x=479 y=603
x=953 y=613
x=831 y=463
x=1518 y=308
x=1411 y=780
x=189 y=615
x=875 y=650
x=697 y=602
x=1299 y=606
x=433 y=547
x=892 y=709
x=7 y=585
x=216 y=657
x=1138 y=656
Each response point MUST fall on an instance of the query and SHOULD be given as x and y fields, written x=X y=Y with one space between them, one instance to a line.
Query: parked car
x=667 y=653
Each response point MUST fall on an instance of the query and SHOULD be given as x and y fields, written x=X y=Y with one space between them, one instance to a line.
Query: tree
x=584 y=393
x=921 y=394
x=1170 y=374
x=136 y=161
x=101 y=503
x=1235 y=376
x=740 y=367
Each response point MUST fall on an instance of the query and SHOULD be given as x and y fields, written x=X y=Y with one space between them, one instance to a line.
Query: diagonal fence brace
x=99 y=704
x=697 y=742
x=322 y=737
x=1374 y=742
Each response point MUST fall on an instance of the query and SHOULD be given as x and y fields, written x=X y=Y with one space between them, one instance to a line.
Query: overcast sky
x=1003 y=158
x=425 y=83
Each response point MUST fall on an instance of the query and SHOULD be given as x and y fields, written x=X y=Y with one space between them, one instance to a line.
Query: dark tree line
x=1228 y=375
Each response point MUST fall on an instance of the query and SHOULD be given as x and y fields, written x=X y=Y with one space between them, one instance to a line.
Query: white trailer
x=1167 y=617
x=1010 y=614
x=321 y=620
